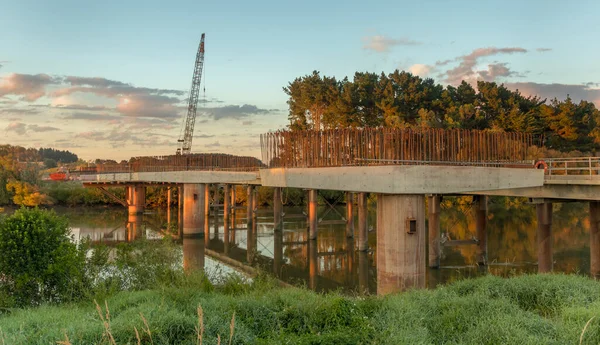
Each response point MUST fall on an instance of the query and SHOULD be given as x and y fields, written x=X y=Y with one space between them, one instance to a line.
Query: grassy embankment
x=537 y=309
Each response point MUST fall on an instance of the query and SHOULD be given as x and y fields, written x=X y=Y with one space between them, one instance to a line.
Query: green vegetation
x=539 y=309
x=39 y=262
x=402 y=100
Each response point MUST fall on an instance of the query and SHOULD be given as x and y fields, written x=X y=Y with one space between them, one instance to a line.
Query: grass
x=534 y=309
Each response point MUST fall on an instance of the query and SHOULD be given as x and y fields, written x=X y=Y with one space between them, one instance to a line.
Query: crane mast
x=190 y=119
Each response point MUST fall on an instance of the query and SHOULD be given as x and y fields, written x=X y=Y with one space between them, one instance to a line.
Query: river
x=334 y=264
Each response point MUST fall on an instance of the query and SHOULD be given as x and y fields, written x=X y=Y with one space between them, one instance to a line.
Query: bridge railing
x=197 y=162
x=581 y=166
x=389 y=146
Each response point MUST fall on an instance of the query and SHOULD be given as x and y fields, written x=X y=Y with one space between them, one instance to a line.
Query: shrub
x=39 y=262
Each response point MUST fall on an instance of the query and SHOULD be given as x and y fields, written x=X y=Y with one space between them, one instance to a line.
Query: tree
x=26 y=194
x=39 y=262
x=49 y=163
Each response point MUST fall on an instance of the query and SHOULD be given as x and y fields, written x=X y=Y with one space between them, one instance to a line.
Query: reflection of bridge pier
x=134 y=226
x=193 y=253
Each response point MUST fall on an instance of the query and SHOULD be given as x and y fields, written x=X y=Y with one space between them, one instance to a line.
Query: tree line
x=403 y=100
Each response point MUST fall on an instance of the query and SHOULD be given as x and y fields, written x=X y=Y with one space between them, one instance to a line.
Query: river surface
x=333 y=263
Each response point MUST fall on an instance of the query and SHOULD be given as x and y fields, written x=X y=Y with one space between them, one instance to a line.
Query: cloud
x=204 y=136
x=215 y=144
x=156 y=106
x=466 y=68
x=94 y=82
x=21 y=128
x=497 y=70
x=382 y=44
x=420 y=69
x=91 y=117
x=541 y=50
x=247 y=123
x=30 y=86
x=19 y=111
x=80 y=107
x=235 y=111
x=36 y=128
x=17 y=127
x=559 y=91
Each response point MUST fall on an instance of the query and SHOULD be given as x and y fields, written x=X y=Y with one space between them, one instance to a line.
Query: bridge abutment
x=401 y=240
x=349 y=215
x=363 y=231
x=312 y=214
x=544 y=237
x=194 y=209
x=595 y=239
x=433 y=204
x=480 y=202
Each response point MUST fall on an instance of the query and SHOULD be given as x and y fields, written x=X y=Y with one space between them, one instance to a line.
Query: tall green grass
x=536 y=309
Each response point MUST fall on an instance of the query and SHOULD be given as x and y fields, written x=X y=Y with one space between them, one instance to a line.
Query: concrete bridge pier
x=136 y=199
x=277 y=252
x=349 y=215
x=481 y=225
x=206 y=210
x=233 y=205
x=312 y=214
x=169 y=197
x=363 y=272
x=363 y=232
x=193 y=253
x=544 y=237
x=193 y=209
x=313 y=264
x=401 y=242
x=277 y=209
x=433 y=204
x=180 y=209
x=251 y=243
x=250 y=205
x=226 y=202
x=595 y=239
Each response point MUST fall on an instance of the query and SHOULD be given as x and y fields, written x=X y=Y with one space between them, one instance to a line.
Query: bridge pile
x=389 y=146
x=201 y=161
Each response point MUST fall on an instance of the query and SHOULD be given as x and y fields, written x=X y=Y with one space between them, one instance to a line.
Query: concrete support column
x=254 y=204
x=313 y=264
x=136 y=199
x=434 y=230
x=363 y=272
x=226 y=202
x=349 y=215
x=180 y=209
x=233 y=205
x=193 y=254
x=193 y=209
x=206 y=210
x=250 y=204
x=277 y=209
x=481 y=224
x=401 y=241
x=595 y=239
x=363 y=234
x=277 y=252
x=169 y=197
x=251 y=243
x=312 y=214
x=544 y=237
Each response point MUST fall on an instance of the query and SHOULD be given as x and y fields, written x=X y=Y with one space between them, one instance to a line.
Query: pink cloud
x=30 y=86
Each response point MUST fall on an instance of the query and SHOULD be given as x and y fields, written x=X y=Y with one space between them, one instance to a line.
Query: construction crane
x=190 y=119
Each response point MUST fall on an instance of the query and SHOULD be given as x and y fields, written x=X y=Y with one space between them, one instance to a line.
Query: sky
x=109 y=79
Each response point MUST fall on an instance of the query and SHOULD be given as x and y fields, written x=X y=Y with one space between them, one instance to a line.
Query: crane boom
x=190 y=119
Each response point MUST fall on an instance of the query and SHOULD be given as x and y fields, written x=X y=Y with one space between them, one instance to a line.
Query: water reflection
x=332 y=261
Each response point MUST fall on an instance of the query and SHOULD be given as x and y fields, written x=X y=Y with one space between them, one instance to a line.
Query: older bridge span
x=410 y=171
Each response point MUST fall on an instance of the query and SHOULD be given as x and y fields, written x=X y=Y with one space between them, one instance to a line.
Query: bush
x=39 y=262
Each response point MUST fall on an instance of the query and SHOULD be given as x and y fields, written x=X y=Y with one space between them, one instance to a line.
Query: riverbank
x=533 y=309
